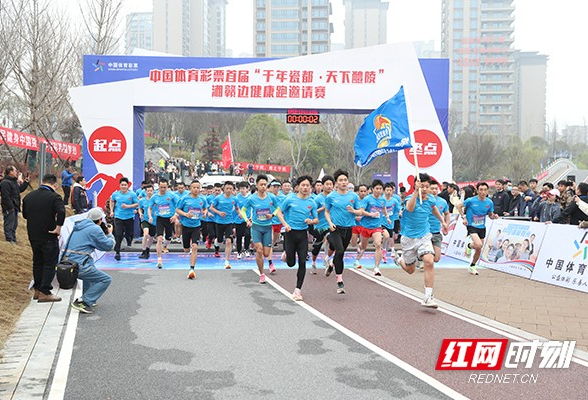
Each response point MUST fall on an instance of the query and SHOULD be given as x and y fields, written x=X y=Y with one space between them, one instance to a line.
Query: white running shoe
x=239 y=255
x=473 y=270
x=297 y=295
x=377 y=272
x=191 y=274
x=429 y=302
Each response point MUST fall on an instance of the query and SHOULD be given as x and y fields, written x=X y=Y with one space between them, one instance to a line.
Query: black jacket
x=573 y=212
x=44 y=210
x=80 y=199
x=501 y=202
x=10 y=191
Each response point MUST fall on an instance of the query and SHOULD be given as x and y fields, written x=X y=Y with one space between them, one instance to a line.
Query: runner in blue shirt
x=416 y=237
x=125 y=205
x=225 y=207
x=434 y=224
x=217 y=190
x=341 y=208
x=476 y=210
x=393 y=205
x=274 y=188
x=319 y=232
x=180 y=193
x=147 y=228
x=374 y=213
x=162 y=208
x=242 y=232
x=296 y=213
x=191 y=208
x=258 y=210
x=362 y=192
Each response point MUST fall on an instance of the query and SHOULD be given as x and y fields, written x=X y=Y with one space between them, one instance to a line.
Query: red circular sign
x=428 y=148
x=107 y=145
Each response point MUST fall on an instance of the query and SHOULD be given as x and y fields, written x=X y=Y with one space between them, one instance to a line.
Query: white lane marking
x=62 y=368
x=443 y=309
x=369 y=345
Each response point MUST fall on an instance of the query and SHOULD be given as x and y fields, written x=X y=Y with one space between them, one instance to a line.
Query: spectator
x=80 y=199
x=45 y=213
x=454 y=198
x=533 y=186
x=566 y=194
x=66 y=182
x=88 y=235
x=527 y=194
x=517 y=203
x=10 y=189
x=249 y=170
x=573 y=212
x=550 y=209
x=501 y=199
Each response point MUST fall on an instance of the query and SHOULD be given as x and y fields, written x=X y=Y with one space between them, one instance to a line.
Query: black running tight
x=296 y=243
x=338 y=241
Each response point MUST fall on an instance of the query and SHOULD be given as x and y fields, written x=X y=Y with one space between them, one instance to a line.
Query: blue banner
x=384 y=131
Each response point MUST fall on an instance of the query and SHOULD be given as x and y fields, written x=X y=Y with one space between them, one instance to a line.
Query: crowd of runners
x=324 y=217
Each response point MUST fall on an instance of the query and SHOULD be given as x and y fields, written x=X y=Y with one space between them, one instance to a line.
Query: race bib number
x=163 y=209
x=196 y=212
x=263 y=214
x=479 y=220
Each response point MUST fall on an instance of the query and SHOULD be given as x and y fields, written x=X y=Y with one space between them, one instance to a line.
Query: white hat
x=554 y=192
x=96 y=213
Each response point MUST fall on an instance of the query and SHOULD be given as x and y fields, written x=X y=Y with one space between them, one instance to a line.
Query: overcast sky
x=558 y=29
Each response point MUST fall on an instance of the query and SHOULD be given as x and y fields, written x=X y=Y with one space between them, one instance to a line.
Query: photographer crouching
x=88 y=235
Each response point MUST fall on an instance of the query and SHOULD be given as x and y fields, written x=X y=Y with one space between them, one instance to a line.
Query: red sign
x=471 y=354
x=428 y=149
x=27 y=141
x=107 y=145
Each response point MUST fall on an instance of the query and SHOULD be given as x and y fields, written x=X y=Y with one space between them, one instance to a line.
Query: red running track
x=405 y=329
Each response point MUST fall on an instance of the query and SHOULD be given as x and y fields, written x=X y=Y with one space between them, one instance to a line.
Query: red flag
x=227 y=153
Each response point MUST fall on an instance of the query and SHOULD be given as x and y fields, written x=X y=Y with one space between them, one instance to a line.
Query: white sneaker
x=419 y=266
x=239 y=255
x=297 y=295
x=377 y=272
x=429 y=302
x=473 y=270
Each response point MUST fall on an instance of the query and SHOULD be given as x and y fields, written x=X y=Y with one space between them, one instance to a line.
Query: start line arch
x=118 y=90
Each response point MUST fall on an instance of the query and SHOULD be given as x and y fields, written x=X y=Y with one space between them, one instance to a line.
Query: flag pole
x=416 y=177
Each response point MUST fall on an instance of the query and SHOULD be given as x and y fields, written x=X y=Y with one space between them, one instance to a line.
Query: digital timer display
x=302 y=119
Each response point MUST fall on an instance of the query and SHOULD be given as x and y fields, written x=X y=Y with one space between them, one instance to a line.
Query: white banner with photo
x=512 y=246
x=447 y=238
x=457 y=247
x=563 y=258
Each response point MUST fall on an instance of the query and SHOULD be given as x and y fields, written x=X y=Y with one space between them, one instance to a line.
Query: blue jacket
x=85 y=238
x=66 y=178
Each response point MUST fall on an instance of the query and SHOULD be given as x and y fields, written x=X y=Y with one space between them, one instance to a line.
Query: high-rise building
x=288 y=28
x=139 y=32
x=530 y=94
x=366 y=23
x=477 y=36
x=190 y=27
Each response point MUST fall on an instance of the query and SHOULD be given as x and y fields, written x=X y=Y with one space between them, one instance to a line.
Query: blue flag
x=383 y=131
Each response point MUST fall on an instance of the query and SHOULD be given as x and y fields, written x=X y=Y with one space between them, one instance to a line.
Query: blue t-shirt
x=144 y=206
x=434 y=223
x=476 y=211
x=128 y=198
x=393 y=208
x=226 y=205
x=262 y=210
x=360 y=204
x=209 y=199
x=337 y=205
x=280 y=198
x=372 y=204
x=320 y=202
x=415 y=224
x=140 y=193
x=181 y=196
x=194 y=205
x=240 y=201
x=396 y=215
x=297 y=210
x=163 y=205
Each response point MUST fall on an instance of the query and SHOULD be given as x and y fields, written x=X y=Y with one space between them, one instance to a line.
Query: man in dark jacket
x=572 y=211
x=10 y=189
x=80 y=199
x=44 y=211
x=501 y=199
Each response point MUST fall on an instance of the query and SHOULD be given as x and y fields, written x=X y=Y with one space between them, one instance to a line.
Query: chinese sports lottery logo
x=107 y=145
x=382 y=130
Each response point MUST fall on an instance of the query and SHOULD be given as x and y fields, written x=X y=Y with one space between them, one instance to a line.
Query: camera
x=105 y=227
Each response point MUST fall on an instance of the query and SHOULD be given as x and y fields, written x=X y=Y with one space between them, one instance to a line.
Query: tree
x=211 y=148
x=260 y=136
x=101 y=23
x=319 y=154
